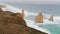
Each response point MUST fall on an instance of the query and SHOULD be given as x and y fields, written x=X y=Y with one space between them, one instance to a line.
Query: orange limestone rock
x=51 y=18
x=21 y=15
x=1 y=6
x=39 y=18
x=1 y=10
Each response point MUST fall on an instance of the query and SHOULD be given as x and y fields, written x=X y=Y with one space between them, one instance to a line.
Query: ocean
x=48 y=9
x=53 y=9
x=53 y=28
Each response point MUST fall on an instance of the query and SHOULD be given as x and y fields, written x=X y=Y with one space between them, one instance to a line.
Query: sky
x=32 y=1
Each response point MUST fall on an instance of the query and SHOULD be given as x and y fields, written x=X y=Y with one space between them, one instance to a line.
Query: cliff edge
x=10 y=23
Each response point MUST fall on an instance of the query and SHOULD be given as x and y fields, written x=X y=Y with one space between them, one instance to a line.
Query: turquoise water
x=53 y=28
x=47 y=9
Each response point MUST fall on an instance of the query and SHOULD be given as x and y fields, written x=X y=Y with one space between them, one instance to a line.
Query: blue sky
x=32 y=1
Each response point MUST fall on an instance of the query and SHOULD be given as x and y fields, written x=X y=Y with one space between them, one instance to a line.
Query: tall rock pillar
x=39 y=18
x=51 y=18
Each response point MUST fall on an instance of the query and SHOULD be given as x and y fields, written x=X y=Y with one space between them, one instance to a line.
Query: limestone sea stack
x=39 y=18
x=51 y=18
x=2 y=6
x=21 y=14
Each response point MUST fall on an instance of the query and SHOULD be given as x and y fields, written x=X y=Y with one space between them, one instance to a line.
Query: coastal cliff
x=10 y=23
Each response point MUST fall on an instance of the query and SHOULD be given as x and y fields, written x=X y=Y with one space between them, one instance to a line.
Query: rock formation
x=10 y=23
x=1 y=6
x=51 y=18
x=1 y=10
x=39 y=18
x=21 y=14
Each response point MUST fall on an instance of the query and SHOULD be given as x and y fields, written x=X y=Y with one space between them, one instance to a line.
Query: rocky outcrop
x=51 y=18
x=2 y=6
x=39 y=18
x=10 y=23
x=1 y=10
x=21 y=15
x=11 y=28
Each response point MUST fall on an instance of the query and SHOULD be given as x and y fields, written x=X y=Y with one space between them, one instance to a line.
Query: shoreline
x=32 y=25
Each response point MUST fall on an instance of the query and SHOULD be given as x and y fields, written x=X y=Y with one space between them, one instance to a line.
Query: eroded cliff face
x=10 y=23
